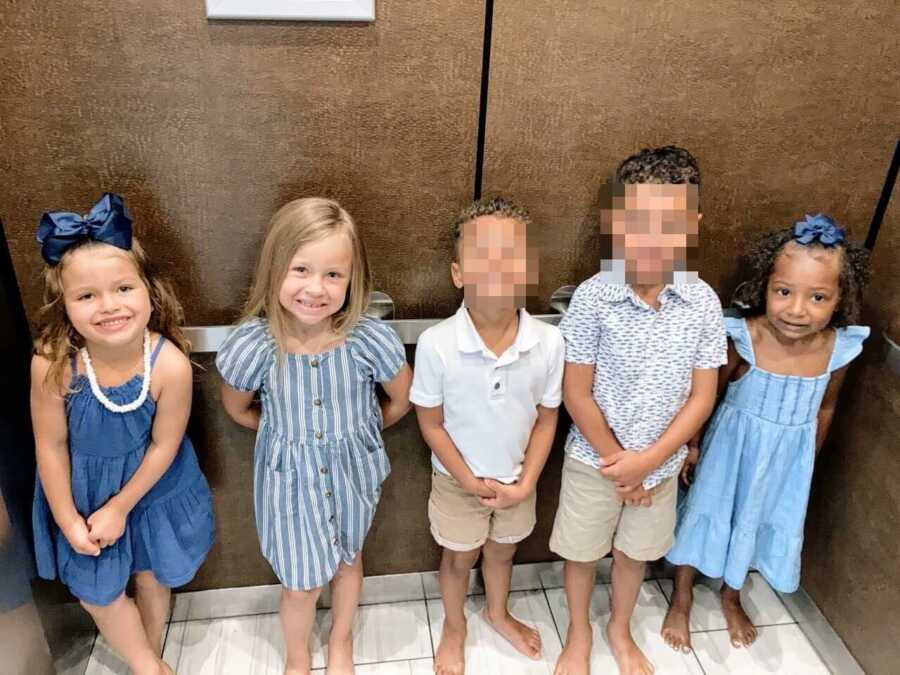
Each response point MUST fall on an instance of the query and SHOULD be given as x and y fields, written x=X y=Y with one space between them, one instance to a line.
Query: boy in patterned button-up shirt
x=644 y=341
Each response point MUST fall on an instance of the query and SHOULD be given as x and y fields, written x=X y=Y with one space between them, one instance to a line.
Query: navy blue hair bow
x=818 y=227
x=108 y=222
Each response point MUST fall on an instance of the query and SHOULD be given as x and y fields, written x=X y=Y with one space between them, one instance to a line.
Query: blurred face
x=317 y=279
x=496 y=269
x=105 y=298
x=803 y=290
x=653 y=228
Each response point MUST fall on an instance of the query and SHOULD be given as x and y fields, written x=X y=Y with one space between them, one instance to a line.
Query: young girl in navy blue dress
x=786 y=364
x=315 y=359
x=119 y=490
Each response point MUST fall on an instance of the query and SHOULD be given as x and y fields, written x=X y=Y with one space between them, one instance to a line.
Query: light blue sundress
x=319 y=459
x=747 y=505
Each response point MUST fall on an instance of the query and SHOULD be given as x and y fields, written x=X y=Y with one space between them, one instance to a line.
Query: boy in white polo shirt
x=487 y=388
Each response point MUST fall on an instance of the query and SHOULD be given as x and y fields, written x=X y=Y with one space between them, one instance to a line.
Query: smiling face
x=105 y=297
x=315 y=286
x=803 y=290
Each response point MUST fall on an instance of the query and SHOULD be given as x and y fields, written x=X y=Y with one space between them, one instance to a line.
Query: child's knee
x=147 y=581
x=500 y=553
x=100 y=611
x=459 y=562
x=299 y=598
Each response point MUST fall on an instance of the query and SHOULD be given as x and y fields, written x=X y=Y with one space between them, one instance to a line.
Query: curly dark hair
x=668 y=164
x=750 y=296
x=488 y=206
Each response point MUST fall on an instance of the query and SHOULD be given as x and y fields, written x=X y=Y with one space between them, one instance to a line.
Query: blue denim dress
x=168 y=532
x=747 y=505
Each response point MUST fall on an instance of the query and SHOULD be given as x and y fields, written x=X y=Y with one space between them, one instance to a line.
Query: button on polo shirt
x=489 y=401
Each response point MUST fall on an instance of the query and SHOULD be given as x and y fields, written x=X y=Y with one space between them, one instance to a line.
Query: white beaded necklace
x=145 y=385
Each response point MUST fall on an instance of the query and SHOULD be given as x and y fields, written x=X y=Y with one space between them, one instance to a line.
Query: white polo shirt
x=490 y=402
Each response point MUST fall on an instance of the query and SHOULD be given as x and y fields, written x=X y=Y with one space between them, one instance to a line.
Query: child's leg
x=346 y=587
x=496 y=566
x=676 y=630
x=740 y=628
x=152 y=600
x=454 y=578
x=576 y=655
x=298 y=615
x=120 y=625
x=627 y=578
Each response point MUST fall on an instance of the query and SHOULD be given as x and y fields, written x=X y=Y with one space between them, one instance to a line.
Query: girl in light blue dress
x=314 y=359
x=787 y=360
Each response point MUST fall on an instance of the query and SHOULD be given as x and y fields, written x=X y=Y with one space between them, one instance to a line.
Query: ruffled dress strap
x=847 y=346
x=740 y=336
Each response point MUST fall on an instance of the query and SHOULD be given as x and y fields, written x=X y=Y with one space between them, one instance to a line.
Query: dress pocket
x=281 y=491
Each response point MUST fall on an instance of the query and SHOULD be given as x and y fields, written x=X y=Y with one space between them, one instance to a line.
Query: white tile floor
x=399 y=625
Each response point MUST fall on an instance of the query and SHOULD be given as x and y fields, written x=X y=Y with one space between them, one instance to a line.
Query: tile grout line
x=427 y=614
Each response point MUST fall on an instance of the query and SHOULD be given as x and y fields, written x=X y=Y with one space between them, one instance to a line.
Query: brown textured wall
x=852 y=545
x=789 y=107
x=207 y=127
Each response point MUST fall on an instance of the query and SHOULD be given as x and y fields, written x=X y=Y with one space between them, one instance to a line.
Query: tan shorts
x=591 y=520
x=459 y=521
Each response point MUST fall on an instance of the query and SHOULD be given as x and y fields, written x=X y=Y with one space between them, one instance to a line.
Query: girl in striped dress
x=305 y=346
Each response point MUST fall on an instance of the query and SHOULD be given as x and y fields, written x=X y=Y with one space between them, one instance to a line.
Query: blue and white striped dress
x=319 y=458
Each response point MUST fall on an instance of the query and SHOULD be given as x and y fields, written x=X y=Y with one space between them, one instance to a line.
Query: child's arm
x=396 y=405
x=431 y=423
x=578 y=383
x=51 y=440
x=630 y=468
x=240 y=406
x=173 y=407
x=725 y=374
x=536 y=455
x=829 y=403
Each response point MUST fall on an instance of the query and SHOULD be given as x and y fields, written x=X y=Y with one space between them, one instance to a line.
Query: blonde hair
x=58 y=339
x=294 y=225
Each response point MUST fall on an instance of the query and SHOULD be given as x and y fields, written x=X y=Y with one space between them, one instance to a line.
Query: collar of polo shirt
x=470 y=341
x=616 y=289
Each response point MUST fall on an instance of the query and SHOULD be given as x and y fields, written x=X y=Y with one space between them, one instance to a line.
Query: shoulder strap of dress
x=740 y=335
x=848 y=344
x=162 y=338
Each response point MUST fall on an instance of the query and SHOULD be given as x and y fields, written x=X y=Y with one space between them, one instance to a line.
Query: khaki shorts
x=591 y=520
x=459 y=521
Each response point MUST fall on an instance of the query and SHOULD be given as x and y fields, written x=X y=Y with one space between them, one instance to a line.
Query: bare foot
x=576 y=655
x=628 y=655
x=676 y=630
x=740 y=628
x=524 y=638
x=340 y=655
x=450 y=658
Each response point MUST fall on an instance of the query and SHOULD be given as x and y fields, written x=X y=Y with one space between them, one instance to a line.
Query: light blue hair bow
x=819 y=228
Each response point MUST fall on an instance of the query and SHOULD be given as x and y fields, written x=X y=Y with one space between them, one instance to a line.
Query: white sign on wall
x=292 y=10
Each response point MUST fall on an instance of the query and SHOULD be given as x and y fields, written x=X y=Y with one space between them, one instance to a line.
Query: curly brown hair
x=750 y=295
x=58 y=339
x=488 y=206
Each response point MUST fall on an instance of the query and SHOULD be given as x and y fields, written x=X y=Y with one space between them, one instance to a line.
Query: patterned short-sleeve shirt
x=643 y=359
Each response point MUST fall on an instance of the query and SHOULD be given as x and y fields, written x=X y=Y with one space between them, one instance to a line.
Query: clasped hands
x=100 y=530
